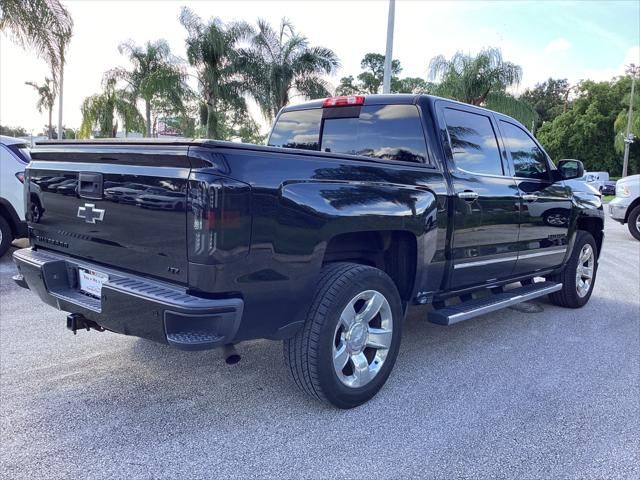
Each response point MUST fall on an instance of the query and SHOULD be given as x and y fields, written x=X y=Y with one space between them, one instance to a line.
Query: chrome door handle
x=530 y=197
x=468 y=195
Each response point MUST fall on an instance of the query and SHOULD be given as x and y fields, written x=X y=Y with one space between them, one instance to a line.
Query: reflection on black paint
x=473 y=142
x=528 y=160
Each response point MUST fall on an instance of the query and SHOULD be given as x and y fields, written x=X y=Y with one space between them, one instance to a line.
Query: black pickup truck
x=358 y=208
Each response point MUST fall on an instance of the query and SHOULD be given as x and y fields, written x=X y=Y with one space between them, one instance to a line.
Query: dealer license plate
x=91 y=281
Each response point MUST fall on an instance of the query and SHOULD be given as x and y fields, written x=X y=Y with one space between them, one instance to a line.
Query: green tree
x=372 y=77
x=279 y=62
x=620 y=124
x=411 y=85
x=46 y=100
x=549 y=99
x=481 y=80
x=213 y=49
x=156 y=78
x=13 y=131
x=587 y=130
x=103 y=110
x=369 y=81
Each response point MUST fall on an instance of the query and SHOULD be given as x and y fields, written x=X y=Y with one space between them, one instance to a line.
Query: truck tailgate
x=121 y=205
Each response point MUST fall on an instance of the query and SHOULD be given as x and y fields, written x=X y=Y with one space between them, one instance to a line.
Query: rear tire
x=6 y=236
x=579 y=275
x=350 y=340
x=633 y=222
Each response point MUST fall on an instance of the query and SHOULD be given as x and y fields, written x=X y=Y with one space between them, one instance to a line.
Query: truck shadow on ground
x=426 y=349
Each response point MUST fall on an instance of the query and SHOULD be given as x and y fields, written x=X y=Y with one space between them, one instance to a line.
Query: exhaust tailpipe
x=230 y=354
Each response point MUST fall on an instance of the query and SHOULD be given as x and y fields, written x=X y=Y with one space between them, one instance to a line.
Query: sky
x=574 y=40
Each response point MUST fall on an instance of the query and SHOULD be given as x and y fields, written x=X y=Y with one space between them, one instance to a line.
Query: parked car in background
x=625 y=208
x=608 y=187
x=596 y=179
x=125 y=193
x=14 y=157
x=161 y=199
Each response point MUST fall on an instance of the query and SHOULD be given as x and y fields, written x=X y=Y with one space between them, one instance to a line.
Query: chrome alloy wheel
x=362 y=338
x=584 y=271
x=638 y=223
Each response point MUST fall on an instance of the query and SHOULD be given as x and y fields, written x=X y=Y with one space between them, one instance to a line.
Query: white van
x=596 y=179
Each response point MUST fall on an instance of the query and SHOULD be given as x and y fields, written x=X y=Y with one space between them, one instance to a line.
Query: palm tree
x=212 y=48
x=44 y=26
x=281 y=60
x=46 y=100
x=480 y=80
x=38 y=25
x=63 y=40
x=156 y=77
x=104 y=109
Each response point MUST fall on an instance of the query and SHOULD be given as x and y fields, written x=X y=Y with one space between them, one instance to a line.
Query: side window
x=297 y=129
x=21 y=151
x=390 y=132
x=529 y=161
x=473 y=142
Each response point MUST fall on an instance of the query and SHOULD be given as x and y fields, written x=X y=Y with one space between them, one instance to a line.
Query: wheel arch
x=392 y=251
x=630 y=208
x=10 y=215
x=595 y=226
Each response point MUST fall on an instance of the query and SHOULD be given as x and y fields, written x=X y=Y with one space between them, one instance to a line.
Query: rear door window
x=389 y=132
x=529 y=161
x=297 y=129
x=473 y=142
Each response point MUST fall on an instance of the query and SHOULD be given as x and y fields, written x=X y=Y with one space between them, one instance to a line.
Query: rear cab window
x=387 y=132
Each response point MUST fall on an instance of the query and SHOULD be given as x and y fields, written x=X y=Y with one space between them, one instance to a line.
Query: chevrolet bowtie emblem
x=90 y=213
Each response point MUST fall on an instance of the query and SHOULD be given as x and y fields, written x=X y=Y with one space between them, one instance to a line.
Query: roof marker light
x=344 y=101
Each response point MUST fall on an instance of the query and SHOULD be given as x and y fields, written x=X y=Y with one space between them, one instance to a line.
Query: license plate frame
x=90 y=282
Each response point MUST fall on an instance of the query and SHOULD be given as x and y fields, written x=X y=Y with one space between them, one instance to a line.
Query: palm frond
x=44 y=26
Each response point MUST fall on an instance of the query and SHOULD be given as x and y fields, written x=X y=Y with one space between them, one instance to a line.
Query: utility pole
x=628 y=138
x=386 y=82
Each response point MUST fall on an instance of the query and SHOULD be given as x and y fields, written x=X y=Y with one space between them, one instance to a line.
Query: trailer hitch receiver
x=76 y=321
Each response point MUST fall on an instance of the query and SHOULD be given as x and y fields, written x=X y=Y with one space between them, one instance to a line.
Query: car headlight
x=622 y=191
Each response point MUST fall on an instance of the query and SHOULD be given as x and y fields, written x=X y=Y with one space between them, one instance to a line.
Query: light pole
x=386 y=80
x=628 y=137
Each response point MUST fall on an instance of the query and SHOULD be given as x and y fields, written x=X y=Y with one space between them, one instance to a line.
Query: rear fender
x=310 y=214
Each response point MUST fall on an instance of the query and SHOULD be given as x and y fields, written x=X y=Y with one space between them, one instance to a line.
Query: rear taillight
x=344 y=101
x=204 y=205
x=20 y=176
x=219 y=216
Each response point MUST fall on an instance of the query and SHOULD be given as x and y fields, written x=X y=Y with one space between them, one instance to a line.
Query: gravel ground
x=537 y=392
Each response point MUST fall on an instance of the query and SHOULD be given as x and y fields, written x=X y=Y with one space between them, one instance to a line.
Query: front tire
x=350 y=340
x=633 y=222
x=579 y=275
x=6 y=236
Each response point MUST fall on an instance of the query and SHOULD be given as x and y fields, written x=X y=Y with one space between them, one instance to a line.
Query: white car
x=625 y=208
x=14 y=157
